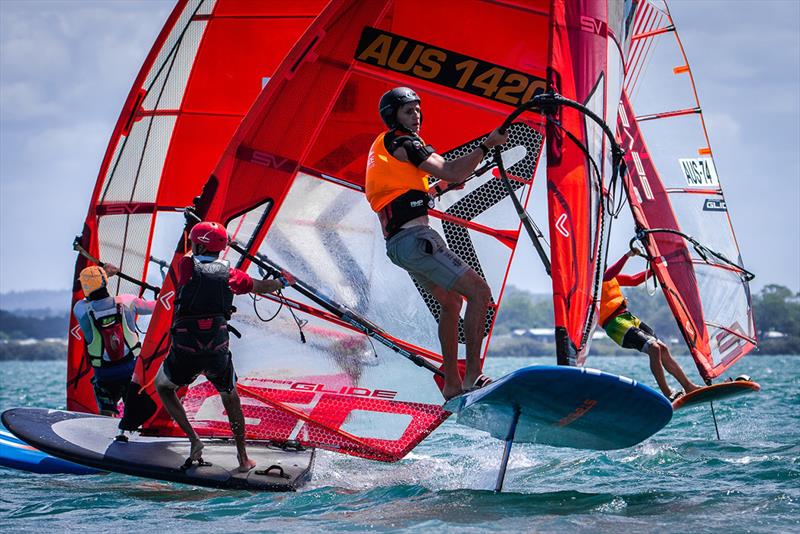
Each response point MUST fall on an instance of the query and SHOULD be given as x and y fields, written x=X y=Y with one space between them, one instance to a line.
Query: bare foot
x=691 y=388
x=196 y=451
x=245 y=465
x=450 y=392
x=469 y=382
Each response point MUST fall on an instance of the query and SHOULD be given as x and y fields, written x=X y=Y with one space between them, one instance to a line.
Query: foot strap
x=189 y=462
x=278 y=472
x=480 y=382
x=675 y=395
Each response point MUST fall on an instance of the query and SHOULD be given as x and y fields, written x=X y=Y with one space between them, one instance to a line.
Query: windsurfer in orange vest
x=629 y=332
x=204 y=304
x=398 y=167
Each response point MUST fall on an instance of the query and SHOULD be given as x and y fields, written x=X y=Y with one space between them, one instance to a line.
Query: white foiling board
x=90 y=440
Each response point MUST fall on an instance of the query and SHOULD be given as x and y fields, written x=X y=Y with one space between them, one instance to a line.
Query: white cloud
x=65 y=70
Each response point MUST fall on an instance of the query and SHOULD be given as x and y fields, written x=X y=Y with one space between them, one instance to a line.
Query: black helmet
x=391 y=102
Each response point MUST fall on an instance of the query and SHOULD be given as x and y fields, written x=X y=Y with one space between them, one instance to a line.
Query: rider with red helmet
x=200 y=334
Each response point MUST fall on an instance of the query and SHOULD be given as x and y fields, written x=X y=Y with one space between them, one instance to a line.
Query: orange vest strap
x=611 y=300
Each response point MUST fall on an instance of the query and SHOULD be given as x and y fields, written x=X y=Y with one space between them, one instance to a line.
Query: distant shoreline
x=55 y=350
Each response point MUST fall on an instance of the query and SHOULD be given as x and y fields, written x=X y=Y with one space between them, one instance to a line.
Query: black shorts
x=639 y=338
x=108 y=393
x=201 y=346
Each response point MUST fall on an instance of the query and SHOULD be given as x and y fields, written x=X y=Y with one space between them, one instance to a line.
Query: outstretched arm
x=272 y=285
x=633 y=280
x=614 y=270
x=136 y=305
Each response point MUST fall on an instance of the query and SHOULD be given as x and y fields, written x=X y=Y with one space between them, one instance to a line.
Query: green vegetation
x=39 y=350
x=27 y=338
x=776 y=308
x=14 y=326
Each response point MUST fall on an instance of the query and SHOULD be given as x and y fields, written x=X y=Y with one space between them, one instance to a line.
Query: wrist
x=484 y=149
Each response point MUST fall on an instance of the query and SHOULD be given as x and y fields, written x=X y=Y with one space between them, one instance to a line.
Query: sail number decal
x=445 y=67
x=699 y=172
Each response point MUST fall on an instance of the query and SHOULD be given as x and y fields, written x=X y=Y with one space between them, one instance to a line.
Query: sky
x=67 y=66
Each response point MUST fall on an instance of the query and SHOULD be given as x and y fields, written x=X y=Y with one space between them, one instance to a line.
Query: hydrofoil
x=576 y=407
x=715 y=392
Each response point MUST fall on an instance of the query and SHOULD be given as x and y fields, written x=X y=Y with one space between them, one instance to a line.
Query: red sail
x=673 y=186
x=206 y=67
x=290 y=185
x=586 y=65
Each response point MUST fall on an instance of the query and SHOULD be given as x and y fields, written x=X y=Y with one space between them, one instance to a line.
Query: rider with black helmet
x=398 y=167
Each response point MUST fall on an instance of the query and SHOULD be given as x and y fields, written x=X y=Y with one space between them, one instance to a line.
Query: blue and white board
x=17 y=454
x=563 y=406
x=90 y=440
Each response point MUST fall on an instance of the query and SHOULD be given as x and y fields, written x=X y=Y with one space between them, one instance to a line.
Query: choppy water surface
x=681 y=479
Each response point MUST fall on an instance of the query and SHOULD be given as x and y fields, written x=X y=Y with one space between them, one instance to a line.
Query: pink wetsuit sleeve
x=632 y=280
x=138 y=305
x=615 y=269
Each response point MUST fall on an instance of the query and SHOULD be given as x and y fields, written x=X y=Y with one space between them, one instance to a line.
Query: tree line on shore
x=777 y=310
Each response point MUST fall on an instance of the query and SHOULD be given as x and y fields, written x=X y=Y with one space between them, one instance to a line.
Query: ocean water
x=680 y=480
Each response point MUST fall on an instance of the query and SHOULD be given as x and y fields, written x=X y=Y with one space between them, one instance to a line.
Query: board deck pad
x=575 y=407
x=89 y=440
x=17 y=454
x=715 y=392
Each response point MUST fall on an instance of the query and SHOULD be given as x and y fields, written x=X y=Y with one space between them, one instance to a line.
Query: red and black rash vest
x=207 y=293
x=397 y=190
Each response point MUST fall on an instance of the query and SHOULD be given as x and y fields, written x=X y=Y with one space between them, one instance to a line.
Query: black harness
x=406 y=207
x=413 y=203
x=207 y=293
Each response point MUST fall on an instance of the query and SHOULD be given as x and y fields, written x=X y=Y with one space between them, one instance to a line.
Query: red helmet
x=209 y=234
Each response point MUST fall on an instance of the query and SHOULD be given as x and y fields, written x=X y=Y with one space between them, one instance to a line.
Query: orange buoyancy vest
x=611 y=300
x=388 y=177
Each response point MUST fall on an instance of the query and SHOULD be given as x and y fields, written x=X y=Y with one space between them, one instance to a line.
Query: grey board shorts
x=422 y=252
